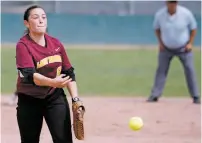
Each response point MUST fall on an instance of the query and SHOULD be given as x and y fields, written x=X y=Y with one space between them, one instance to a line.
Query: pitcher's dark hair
x=27 y=14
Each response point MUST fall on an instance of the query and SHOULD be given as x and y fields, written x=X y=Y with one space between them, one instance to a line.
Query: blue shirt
x=175 y=29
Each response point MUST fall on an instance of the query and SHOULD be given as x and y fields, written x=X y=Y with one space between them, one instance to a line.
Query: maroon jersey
x=48 y=61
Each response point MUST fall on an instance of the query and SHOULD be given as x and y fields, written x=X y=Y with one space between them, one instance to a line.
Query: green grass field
x=111 y=72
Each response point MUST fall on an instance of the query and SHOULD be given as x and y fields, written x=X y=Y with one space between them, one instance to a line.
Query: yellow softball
x=135 y=123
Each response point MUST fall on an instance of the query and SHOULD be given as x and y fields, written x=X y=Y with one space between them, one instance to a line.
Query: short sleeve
x=156 y=24
x=192 y=21
x=65 y=60
x=23 y=57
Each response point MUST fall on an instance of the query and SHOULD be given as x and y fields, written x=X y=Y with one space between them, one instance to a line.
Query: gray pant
x=164 y=59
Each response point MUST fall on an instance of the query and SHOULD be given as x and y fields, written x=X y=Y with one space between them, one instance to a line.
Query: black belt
x=181 y=49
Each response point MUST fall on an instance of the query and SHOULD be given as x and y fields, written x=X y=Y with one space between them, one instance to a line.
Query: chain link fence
x=97 y=7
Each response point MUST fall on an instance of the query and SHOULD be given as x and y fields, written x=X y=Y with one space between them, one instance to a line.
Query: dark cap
x=172 y=1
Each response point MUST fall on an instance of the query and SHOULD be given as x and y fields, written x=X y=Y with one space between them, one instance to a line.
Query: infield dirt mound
x=171 y=120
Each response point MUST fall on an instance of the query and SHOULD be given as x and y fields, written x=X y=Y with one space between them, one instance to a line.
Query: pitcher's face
x=37 y=21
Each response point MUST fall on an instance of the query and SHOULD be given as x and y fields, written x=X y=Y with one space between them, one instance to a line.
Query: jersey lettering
x=49 y=60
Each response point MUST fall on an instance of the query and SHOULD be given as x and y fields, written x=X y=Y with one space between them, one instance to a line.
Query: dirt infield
x=106 y=121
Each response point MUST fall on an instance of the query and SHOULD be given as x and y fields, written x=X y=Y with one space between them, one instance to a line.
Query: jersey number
x=59 y=70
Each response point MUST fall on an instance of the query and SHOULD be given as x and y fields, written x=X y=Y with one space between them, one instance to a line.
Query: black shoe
x=196 y=100
x=152 y=99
